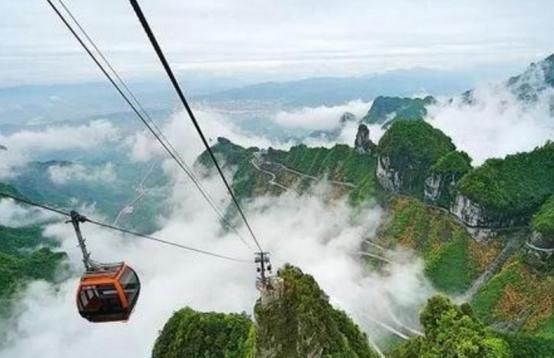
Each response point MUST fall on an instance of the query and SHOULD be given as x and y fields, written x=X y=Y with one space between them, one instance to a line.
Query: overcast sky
x=280 y=39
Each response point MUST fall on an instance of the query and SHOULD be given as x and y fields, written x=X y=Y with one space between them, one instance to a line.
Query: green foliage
x=516 y=185
x=196 y=334
x=543 y=220
x=412 y=148
x=455 y=162
x=450 y=264
x=303 y=323
x=341 y=163
x=514 y=293
x=451 y=268
x=486 y=299
x=526 y=346
x=547 y=329
x=233 y=154
x=20 y=262
x=245 y=178
x=453 y=331
x=447 y=171
x=395 y=108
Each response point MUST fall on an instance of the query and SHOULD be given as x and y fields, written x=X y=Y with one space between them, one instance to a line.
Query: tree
x=453 y=331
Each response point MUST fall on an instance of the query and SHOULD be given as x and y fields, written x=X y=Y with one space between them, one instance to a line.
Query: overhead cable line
x=122 y=230
x=169 y=71
x=148 y=122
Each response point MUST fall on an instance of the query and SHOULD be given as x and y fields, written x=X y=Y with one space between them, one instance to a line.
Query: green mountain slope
x=516 y=185
x=513 y=296
x=302 y=323
x=543 y=220
x=452 y=331
x=297 y=322
x=453 y=260
x=340 y=163
x=292 y=168
x=25 y=255
x=196 y=334
x=387 y=110
x=408 y=150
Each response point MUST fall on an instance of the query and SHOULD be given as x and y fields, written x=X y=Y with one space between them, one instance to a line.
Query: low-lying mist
x=322 y=237
x=496 y=123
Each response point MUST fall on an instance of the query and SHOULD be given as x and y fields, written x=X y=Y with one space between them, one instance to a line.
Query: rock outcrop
x=534 y=81
x=362 y=143
x=440 y=186
x=406 y=154
x=505 y=193
x=539 y=251
x=540 y=245
x=388 y=177
x=479 y=221
x=347 y=117
x=302 y=323
x=293 y=319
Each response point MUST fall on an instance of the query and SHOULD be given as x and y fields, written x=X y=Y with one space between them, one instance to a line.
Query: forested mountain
x=418 y=175
x=25 y=255
x=484 y=235
x=293 y=319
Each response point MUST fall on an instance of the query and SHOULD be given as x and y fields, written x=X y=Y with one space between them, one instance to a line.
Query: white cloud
x=15 y=215
x=182 y=135
x=245 y=36
x=497 y=123
x=61 y=174
x=24 y=145
x=320 y=118
x=322 y=238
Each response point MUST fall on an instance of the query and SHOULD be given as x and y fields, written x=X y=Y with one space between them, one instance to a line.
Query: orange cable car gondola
x=107 y=292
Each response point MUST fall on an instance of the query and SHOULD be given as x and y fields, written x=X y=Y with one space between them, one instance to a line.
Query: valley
x=472 y=243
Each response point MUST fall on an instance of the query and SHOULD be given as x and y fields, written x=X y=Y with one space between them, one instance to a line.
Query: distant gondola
x=108 y=293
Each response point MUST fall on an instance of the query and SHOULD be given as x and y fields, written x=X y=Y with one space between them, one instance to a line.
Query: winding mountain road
x=257 y=163
x=271 y=175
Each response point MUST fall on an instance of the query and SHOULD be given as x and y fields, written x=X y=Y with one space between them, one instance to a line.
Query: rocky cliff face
x=363 y=144
x=480 y=222
x=388 y=177
x=440 y=186
x=406 y=154
x=539 y=251
x=535 y=80
x=434 y=186
x=540 y=245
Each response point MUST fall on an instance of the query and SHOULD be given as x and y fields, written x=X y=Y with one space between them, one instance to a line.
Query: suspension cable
x=151 y=125
x=122 y=230
x=187 y=170
x=169 y=71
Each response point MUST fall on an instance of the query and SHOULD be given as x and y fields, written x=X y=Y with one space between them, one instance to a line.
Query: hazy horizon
x=252 y=42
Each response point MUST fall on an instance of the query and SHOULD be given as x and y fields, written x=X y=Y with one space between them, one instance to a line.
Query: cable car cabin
x=108 y=293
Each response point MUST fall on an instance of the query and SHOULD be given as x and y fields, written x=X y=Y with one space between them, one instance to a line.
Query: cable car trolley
x=107 y=292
